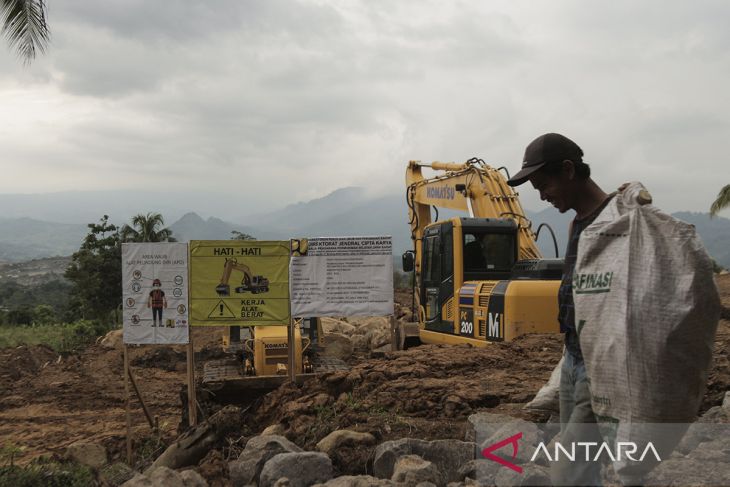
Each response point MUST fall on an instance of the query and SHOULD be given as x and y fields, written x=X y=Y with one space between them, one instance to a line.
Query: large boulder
x=531 y=437
x=112 y=340
x=365 y=325
x=412 y=470
x=480 y=426
x=339 y=438
x=259 y=449
x=359 y=343
x=90 y=454
x=302 y=469
x=378 y=337
x=165 y=477
x=338 y=346
x=332 y=325
x=481 y=470
x=447 y=455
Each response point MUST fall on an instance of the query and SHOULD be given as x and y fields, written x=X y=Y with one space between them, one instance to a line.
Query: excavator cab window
x=432 y=258
x=437 y=273
x=488 y=254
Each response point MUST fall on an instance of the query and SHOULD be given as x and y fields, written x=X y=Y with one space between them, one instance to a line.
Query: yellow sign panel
x=239 y=283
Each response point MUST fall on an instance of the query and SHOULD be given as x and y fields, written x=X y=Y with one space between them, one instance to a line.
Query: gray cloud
x=283 y=100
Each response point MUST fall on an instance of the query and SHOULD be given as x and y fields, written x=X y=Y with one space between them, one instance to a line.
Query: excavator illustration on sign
x=478 y=279
x=249 y=283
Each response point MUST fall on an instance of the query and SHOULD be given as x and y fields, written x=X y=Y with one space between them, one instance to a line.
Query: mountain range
x=347 y=211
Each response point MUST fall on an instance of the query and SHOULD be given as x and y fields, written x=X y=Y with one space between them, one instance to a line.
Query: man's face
x=553 y=188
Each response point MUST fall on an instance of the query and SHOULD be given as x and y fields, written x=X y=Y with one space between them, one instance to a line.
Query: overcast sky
x=282 y=101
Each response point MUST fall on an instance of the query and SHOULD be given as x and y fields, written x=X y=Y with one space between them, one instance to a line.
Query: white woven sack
x=547 y=398
x=647 y=309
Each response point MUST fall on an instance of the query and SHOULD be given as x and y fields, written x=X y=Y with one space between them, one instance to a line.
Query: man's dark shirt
x=566 y=307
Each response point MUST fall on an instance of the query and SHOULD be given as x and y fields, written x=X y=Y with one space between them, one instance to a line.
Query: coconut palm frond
x=145 y=229
x=24 y=25
x=722 y=201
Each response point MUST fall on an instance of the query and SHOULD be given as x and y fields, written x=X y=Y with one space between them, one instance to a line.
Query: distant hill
x=306 y=213
x=35 y=272
x=347 y=211
x=193 y=227
x=25 y=239
x=83 y=207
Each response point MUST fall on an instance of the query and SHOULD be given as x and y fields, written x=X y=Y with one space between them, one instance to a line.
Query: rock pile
x=347 y=336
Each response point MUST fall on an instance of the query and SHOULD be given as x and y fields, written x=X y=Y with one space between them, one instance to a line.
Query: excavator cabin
x=481 y=278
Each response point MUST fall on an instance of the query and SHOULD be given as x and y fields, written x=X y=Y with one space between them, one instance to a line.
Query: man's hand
x=643 y=198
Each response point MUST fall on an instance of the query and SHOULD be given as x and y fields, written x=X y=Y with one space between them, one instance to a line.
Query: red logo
x=487 y=452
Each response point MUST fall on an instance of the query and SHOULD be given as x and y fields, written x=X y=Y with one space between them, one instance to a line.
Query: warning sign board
x=239 y=282
x=155 y=293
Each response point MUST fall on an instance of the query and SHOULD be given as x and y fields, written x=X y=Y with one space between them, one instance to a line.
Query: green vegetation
x=95 y=273
x=62 y=337
x=41 y=472
x=48 y=473
x=146 y=228
x=24 y=26
x=42 y=304
x=236 y=235
x=722 y=201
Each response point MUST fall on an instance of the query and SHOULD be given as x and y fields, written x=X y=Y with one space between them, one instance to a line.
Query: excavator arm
x=473 y=187
x=224 y=289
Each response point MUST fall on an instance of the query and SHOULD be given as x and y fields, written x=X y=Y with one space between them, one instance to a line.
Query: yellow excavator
x=479 y=278
x=249 y=283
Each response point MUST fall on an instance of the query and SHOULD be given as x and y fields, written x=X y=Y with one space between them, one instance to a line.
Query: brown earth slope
x=47 y=402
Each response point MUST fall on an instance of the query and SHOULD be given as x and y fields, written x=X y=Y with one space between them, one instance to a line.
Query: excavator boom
x=476 y=188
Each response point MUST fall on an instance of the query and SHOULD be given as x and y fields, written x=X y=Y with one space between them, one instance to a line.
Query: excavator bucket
x=223 y=290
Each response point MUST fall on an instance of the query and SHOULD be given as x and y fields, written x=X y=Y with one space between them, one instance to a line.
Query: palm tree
x=145 y=229
x=722 y=201
x=24 y=26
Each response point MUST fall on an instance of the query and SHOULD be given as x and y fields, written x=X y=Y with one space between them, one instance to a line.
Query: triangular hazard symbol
x=221 y=311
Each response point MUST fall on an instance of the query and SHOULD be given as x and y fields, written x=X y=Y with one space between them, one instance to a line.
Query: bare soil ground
x=48 y=402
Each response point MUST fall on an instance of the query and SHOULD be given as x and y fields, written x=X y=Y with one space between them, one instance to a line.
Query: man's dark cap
x=543 y=150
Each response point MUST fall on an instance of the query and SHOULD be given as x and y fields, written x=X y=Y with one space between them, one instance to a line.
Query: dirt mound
x=432 y=381
x=162 y=358
x=23 y=361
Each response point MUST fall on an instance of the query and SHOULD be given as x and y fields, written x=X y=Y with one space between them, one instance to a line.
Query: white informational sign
x=342 y=276
x=155 y=293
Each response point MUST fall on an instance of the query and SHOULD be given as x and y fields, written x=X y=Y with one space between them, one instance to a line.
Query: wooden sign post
x=127 y=406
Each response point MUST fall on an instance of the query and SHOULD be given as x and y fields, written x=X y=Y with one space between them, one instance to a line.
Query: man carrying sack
x=639 y=309
x=554 y=165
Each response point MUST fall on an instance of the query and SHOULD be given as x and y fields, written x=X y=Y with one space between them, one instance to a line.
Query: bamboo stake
x=192 y=410
x=139 y=396
x=127 y=405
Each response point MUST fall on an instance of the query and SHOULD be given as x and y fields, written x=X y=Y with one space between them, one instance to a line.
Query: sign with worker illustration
x=239 y=282
x=155 y=293
x=342 y=276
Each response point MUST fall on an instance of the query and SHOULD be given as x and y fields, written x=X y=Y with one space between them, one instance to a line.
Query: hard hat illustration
x=156 y=282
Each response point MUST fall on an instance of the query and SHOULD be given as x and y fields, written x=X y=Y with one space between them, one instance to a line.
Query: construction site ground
x=48 y=402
